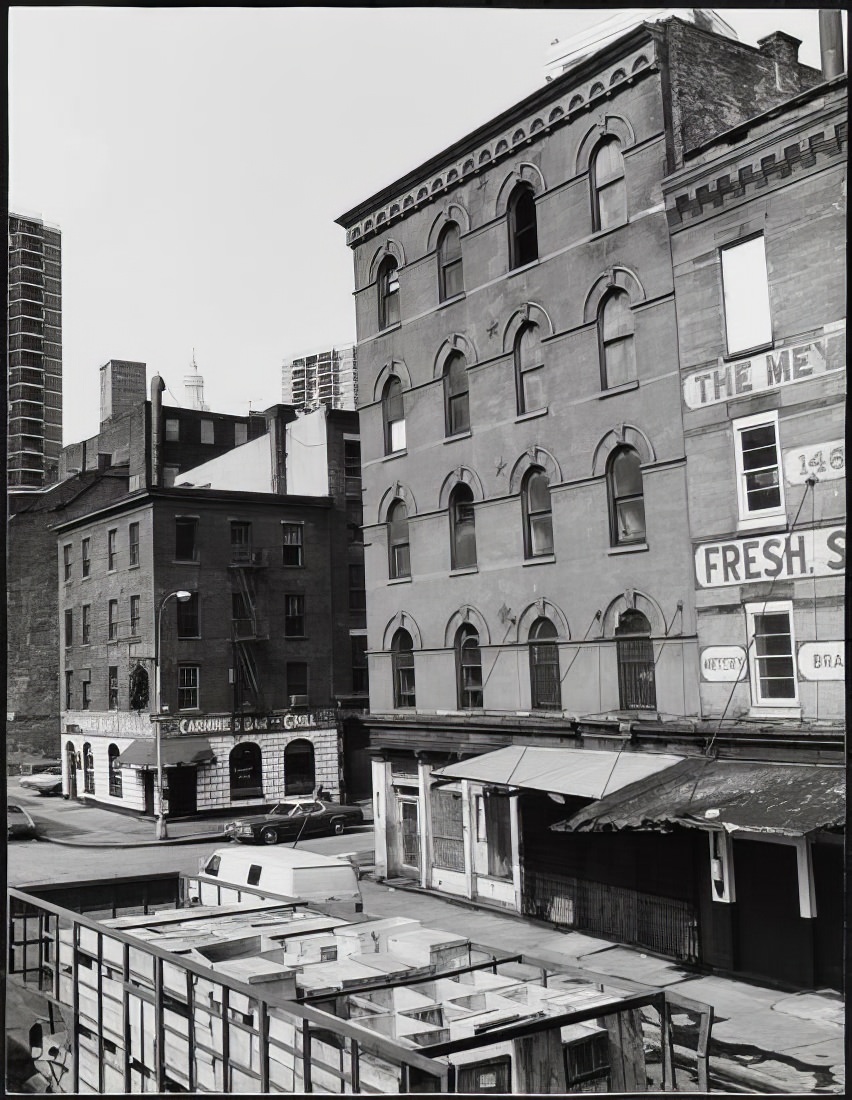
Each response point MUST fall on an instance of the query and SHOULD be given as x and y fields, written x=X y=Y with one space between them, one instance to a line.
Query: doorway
x=148 y=785
x=183 y=791
x=773 y=941
x=409 y=812
x=72 y=769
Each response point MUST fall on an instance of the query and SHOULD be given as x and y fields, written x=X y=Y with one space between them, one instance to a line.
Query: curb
x=196 y=838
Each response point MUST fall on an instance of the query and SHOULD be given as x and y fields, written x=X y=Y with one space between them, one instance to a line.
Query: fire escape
x=248 y=629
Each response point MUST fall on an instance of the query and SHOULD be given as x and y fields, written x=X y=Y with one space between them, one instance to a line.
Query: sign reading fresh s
x=817 y=553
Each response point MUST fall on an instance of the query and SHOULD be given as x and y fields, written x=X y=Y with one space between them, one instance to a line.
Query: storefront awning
x=174 y=750
x=758 y=797
x=586 y=773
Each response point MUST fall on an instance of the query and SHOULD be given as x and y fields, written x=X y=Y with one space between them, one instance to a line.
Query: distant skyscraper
x=34 y=363
x=193 y=388
x=327 y=378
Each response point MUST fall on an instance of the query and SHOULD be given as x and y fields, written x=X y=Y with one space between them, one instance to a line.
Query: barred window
x=447 y=835
x=635 y=653
x=544 y=666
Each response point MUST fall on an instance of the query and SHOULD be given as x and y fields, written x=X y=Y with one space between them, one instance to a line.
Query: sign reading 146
x=826 y=460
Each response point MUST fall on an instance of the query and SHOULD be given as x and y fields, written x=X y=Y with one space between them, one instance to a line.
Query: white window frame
x=757 y=518
x=746 y=303
x=765 y=706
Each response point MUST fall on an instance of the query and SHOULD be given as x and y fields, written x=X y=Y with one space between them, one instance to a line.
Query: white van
x=276 y=873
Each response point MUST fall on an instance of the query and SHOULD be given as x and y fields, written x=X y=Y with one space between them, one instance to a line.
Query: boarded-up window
x=447 y=838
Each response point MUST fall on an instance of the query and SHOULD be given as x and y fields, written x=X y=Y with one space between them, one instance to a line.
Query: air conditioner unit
x=298 y=700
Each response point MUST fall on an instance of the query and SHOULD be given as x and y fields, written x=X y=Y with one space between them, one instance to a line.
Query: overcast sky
x=195 y=160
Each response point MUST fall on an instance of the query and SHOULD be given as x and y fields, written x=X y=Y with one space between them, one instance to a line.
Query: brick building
x=530 y=575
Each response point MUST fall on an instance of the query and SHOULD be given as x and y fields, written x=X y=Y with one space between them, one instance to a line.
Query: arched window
x=246 y=770
x=468 y=668
x=456 y=402
x=402 y=660
x=528 y=363
x=393 y=413
x=88 y=769
x=538 y=521
x=523 y=230
x=450 y=274
x=626 y=499
x=115 y=785
x=615 y=341
x=635 y=651
x=544 y=666
x=388 y=286
x=462 y=528
x=609 y=198
x=399 y=558
x=299 y=767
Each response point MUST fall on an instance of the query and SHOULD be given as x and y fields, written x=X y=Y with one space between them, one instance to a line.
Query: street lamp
x=181 y=596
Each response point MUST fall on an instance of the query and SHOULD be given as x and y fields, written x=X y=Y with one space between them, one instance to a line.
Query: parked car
x=295 y=818
x=46 y=782
x=18 y=822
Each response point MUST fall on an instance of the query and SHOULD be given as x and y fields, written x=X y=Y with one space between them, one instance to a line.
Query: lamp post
x=182 y=596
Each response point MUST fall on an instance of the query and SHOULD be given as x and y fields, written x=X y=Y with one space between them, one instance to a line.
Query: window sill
x=599 y=232
x=86 y=578
x=459 y=435
x=451 y=301
x=525 y=267
x=531 y=415
x=794 y=710
x=625 y=388
x=189 y=637
x=186 y=561
x=744 y=353
x=395 y=454
x=399 y=580
x=136 y=566
x=296 y=637
x=541 y=559
x=630 y=548
x=389 y=328
x=764 y=524
x=464 y=571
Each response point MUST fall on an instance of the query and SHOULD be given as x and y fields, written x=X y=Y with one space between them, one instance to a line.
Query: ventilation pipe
x=831 y=43
x=157 y=387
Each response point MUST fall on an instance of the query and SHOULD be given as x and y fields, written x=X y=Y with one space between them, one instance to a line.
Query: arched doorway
x=245 y=767
x=71 y=756
x=299 y=768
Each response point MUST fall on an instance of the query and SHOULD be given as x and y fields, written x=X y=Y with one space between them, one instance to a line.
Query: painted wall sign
x=723 y=663
x=769 y=370
x=821 y=660
x=289 y=720
x=826 y=460
x=820 y=552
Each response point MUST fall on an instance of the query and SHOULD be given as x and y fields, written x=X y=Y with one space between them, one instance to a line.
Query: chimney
x=831 y=43
x=157 y=387
x=782 y=48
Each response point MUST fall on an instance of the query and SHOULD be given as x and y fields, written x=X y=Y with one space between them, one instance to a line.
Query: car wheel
x=337 y=827
x=269 y=836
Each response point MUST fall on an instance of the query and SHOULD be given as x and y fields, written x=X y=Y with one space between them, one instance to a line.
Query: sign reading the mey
x=817 y=553
x=769 y=370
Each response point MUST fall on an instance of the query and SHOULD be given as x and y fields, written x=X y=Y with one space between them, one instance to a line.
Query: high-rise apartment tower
x=327 y=378
x=34 y=371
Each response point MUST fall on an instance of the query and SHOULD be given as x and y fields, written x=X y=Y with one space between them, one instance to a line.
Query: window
x=745 y=289
x=133 y=543
x=635 y=654
x=757 y=454
x=86 y=630
x=398 y=548
x=294 y=616
x=388 y=287
x=212 y=867
x=360 y=675
x=112 y=687
x=394 y=416
x=354 y=520
x=609 y=196
x=67 y=562
x=528 y=363
x=544 y=666
x=240 y=434
x=87 y=691
x=352 y=467
x=69 y=690
x=115 y=788
x=299 y=767
x=297 y=682
x=253 y=877
x=240 y=541
x=626 y=497
x=357 y=587
x=188 y=687
x=450 y=275
x=447 y=829
x=462 y=528
x=772 y=651
x=134 y=616
x=523 y=231
x=293 y=549
x=172 y=430
x=402 y=661
x=187 y=617
x=88 y=769
x=69 y=628
x=86 y=561
x=468 y=668
x=538 y=521
x=112 y=620
x=493 y=1076
x=246 y=771
x=615 y=341
x=111 y=551
x=206 y=431
x=185 y=539
x=456 y=397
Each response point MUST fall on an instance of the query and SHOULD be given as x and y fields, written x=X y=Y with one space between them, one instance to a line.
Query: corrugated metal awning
x=586 y=773
x=175 y=750
x=758 y=797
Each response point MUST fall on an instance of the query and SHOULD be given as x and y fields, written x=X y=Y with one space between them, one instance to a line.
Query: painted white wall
x=247 y=468
x=307 y=455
